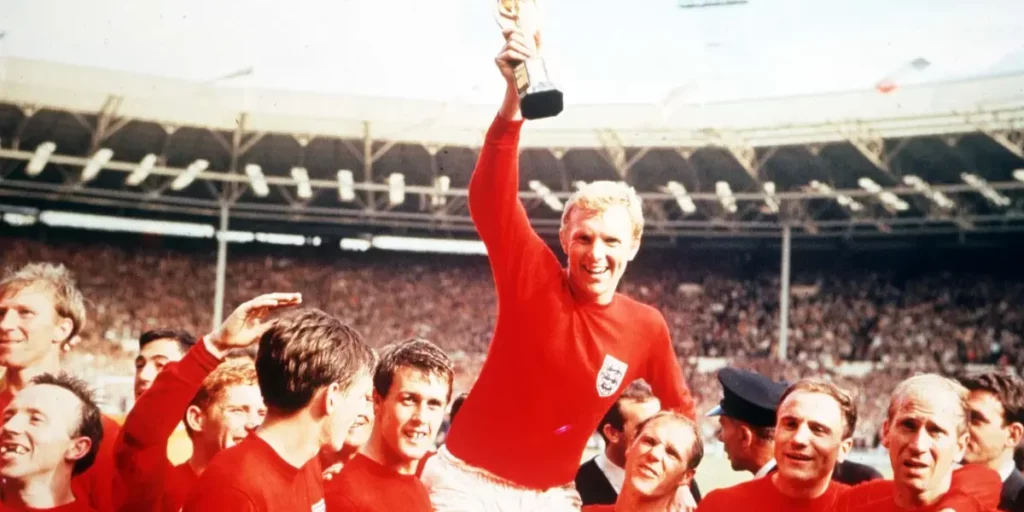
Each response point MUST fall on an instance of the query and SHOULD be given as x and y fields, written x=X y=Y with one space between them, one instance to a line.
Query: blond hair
x=67 y=299
x=929 y=385
x=599 y=196
x=239 y=372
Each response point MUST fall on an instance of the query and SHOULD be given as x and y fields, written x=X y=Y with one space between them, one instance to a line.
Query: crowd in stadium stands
x=936 y=322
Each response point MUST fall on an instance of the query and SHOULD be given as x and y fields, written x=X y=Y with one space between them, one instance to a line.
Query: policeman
x=747 y=417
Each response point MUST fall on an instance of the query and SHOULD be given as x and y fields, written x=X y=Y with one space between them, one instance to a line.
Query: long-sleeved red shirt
x=95 y=487
x=151 y=482
x=364 y=485
x=74 y=506
x=974 y=488
x=252 y=477
x=554 y=365
x=762 y=495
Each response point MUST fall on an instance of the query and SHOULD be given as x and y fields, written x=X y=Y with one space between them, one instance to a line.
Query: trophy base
x=538 y=95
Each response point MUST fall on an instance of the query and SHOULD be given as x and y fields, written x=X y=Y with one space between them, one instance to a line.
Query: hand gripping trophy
x=538 y=96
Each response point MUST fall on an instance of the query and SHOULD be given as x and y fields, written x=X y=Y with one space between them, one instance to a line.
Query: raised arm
x=141 y=449
x=512 y=245
x=665 y=375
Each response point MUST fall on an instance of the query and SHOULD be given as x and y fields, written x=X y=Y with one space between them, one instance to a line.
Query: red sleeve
x=99 y=485
x=665 y=376
x=218 y=499
x=141 y=450
x=513 y=247
x=974 y=487
x=599 y=508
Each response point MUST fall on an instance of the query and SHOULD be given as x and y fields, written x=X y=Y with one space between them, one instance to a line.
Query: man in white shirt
x=996 y=425
x=747 y=417
x=599 y=480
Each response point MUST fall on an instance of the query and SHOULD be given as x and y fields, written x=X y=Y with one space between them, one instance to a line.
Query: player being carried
x=565 y=343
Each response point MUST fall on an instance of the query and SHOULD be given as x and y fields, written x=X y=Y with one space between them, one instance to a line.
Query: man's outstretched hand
x=249 y=321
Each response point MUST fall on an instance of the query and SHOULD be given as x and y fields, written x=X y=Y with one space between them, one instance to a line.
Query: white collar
x=1008 y=468
x=765 y=469
x=615 y=475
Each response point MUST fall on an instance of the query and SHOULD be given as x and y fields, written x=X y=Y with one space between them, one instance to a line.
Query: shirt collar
x=615 y=475
x=1008 y=468
x=765 y=469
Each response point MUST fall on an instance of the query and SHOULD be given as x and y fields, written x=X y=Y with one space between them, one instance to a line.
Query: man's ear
x=844 y=449
x=195 y=418
x=327 y=398
x=1016 y=431
x=636 y=249
x=611 y=434
x=746 y=435
x=885 y=433
x=79 y=448
x=62 y=333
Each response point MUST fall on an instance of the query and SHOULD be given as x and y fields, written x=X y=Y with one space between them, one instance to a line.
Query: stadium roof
x=858 y=163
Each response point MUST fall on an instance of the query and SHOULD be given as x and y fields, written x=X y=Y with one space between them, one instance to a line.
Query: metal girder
x=1009 y=134
x=559 y=154
x=744 y=153
x=614 y=152
x=29 y=111
x=1012 y=141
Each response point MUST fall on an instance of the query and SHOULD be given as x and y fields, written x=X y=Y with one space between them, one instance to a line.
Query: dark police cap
x=748 y=396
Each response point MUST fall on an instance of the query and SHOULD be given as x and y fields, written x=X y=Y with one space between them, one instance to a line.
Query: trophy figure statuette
x=538 y=95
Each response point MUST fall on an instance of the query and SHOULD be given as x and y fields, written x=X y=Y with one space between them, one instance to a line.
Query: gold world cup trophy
x=538 y=95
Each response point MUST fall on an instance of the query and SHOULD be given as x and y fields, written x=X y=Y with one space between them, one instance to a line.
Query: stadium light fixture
x=346 y=186
x=236 y=237
x=189 y=174
x=843 y=199
x=724 y=193
x=940 y=199
x=770 y=200
x=280 y=239
x=441 y=185
x=95 y=164
x=355 y=244
x=546 y=195
x=37 y=163
x=433 y=245
x=111 y=223
x=978 y=183
x=686 y=203
x=19 y=219
x=141 y=171
x=396 y=189
x=889 y=201
x=257 y=180
x=302 y=186
x=1019 y=175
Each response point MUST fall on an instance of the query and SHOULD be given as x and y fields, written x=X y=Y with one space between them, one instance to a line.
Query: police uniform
x=752 y=398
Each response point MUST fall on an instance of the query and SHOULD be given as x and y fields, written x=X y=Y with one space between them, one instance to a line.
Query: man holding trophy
x=566 y=344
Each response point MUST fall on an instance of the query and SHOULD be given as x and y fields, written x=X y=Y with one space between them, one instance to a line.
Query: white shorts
x=456 y=486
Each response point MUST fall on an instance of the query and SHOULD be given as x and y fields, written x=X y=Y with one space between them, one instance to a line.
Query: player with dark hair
x=559 y=328
x=412 y=386
x=600 y=480
x=660 y=463
x=814 y=430
x=156 y=349
x=314 y=372
x=41 y=312
x=996 y=425
x=51 y=432
x=220 y=402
